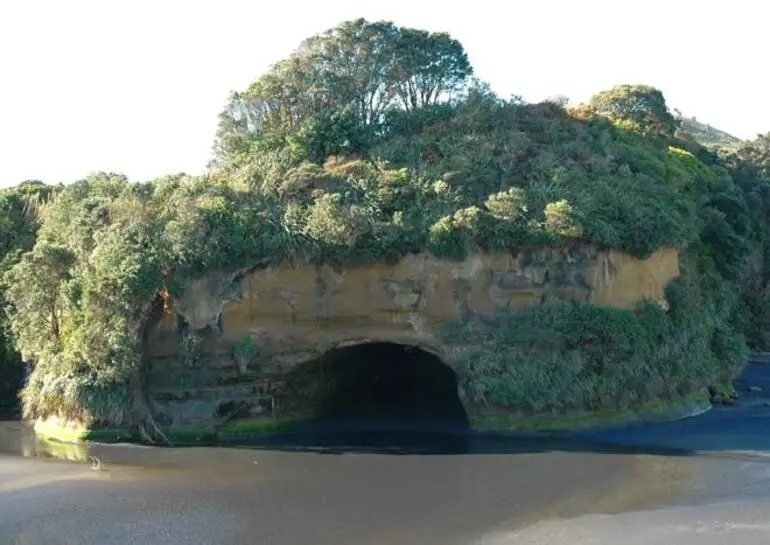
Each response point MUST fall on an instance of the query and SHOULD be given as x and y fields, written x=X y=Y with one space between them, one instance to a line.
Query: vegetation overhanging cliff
x=373 y=141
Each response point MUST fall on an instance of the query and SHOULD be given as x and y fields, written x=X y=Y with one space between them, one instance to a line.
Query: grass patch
x=251 y=427
x=187 y=436
x=111 y=435
x=190 y=436
x=582 y=420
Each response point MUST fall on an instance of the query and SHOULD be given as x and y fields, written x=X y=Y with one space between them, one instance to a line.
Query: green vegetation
x=707 y=135
x=234 y=431
x=243 y=352
x=373 y=141
x=19 y=209
x=656 y=410
x=564 y=357
x=258 y=427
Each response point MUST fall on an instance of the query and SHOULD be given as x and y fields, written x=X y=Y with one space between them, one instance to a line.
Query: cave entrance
x=383 y=385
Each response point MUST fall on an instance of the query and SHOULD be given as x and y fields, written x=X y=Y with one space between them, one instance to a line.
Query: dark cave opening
x=381 y=384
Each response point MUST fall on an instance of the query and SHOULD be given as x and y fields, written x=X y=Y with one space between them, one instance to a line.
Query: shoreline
x=244 y=431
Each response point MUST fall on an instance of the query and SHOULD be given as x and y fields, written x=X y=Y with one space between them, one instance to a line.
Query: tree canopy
x=332 y=93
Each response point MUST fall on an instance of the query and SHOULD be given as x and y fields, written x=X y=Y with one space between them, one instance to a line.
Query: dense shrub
x=569 y=356
x=19 y=207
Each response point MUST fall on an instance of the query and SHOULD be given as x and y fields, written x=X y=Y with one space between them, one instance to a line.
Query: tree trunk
x=142 y=413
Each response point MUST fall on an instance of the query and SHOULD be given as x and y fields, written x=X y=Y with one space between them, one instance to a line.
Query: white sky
x=135 y=87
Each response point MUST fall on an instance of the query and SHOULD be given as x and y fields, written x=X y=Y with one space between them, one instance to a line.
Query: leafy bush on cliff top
x=481 y=174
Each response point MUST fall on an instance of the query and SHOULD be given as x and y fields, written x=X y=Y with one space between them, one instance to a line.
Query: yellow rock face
x=293 y=312
x=624 y=280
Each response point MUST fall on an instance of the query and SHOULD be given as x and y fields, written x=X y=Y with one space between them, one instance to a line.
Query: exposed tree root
x=142 y=416
x=149 y=431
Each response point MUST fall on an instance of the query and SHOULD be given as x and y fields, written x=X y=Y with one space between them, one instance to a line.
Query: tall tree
x=351 y=64
x=341 y=83
x=427 y=66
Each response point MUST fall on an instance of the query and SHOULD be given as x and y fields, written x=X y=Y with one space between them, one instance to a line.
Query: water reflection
x=409 y=442
x=18 y=439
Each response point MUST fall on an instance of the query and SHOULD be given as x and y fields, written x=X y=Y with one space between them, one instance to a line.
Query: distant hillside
x=707 y=135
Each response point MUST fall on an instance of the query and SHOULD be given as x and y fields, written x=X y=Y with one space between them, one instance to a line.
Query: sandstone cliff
x=293 y=314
